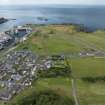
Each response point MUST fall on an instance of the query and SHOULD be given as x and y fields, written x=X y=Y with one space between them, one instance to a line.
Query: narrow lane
x=74 y=91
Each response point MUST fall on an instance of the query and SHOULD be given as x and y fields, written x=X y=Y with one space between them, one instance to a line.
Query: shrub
x=94 y=79
x=54 y=72
x=44 y=98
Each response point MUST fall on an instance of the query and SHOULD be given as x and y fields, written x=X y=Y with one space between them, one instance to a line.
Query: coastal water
x=91 y=16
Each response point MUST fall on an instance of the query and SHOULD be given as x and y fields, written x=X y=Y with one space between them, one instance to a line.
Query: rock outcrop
x=3 y=20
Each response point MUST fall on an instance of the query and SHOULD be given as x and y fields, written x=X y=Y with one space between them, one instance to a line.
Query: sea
x=92 y=17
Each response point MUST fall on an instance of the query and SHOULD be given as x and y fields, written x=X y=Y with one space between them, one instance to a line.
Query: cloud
x=96 y=2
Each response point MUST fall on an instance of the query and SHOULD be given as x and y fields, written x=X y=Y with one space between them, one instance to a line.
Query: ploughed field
x=85 y=52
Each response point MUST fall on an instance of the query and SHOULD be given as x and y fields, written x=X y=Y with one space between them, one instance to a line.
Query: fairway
x=91 y=94
x=84 y=67
x=60 y=85
x=62 y=39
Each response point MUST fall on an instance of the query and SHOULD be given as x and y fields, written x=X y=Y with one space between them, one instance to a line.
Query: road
x=74 y=90
x=73 y=81
x=11 y=49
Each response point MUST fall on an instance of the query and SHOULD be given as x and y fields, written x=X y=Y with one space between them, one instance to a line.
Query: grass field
x=89 y=66
x=60 y=85
x=91 y=94
x=63 y=39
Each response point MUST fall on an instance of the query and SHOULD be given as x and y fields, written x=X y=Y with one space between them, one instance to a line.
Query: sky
x=74 y=2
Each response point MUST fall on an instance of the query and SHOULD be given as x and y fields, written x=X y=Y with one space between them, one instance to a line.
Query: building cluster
x=44 y=63
x=22 y=31
x=50 y=61
x=5 y=40
x=16 y=72
x=19 y=69
x=9 y=37
x=92 y=53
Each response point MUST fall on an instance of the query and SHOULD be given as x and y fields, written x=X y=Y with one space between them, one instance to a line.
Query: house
x=4 y=40
x=15 y=88
x=48 y=64
x=22 y=31
x=87 y=53
x=16 y=77
x=100 y=54
x=5 y=95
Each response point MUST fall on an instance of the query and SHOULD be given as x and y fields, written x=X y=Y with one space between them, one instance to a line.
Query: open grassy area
x=91 y=94
x=61 y=86
x=51 y=39
x=90 y=66
x=88 y=93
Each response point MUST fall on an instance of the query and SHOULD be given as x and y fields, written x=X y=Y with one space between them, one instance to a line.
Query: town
x=17 y=69
x=20 y=68
x=16 y=72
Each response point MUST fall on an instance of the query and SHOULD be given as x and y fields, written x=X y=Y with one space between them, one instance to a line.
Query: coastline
x=79 y=27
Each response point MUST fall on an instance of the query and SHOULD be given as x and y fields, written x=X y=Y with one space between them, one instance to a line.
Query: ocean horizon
x=92 y=16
